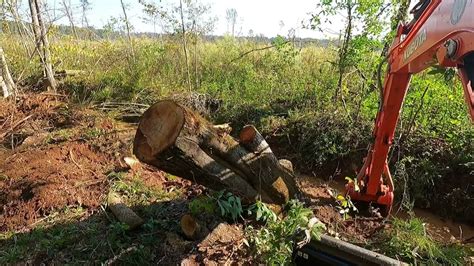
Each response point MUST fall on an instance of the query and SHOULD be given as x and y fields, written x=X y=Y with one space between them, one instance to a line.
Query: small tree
x=231 y=17
x=128 y=28
x=361 y=36
x=68 y=12
x=190 y=21
x=85 y=6
x=153 y=14
x=41 y=41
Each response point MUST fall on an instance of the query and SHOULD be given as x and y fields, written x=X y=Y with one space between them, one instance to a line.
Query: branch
x=255 y=50
x=415 y=115
x=14 y=127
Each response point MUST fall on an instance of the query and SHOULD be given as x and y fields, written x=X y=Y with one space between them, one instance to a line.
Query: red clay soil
x=321 y=199
x=47 y=179
x=46 y=172
x=40 y=178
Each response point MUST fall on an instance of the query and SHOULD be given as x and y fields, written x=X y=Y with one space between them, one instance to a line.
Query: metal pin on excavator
x=441 y=33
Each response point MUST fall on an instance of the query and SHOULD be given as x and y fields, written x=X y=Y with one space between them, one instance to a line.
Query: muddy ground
x=57 y=165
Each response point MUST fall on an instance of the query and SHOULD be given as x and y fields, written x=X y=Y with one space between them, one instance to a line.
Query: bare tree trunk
x=84 y=21
x=196 y=75
x=69 y=16
x=343 y=52
x=195 y=54
x=233 y=29
x=35 y=24
x=185 y=48
x=127 y=25
x=36 y=32
x=41 y=37
x=6 y=81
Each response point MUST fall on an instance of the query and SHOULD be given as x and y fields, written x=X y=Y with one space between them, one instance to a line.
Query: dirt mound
x=55 y=168
x=322 y=200
x=30 y=114
x=38 y=182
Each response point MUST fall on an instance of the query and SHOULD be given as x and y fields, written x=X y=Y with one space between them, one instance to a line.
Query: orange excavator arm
x=442 y=33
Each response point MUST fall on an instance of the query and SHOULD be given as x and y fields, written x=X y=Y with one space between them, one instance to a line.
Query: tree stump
x=179 y=141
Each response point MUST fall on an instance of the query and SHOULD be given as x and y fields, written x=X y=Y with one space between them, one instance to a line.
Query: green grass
x=203 y=204
x=92 y=241
x=60 y=136
x=136 y=192
x=409 y=241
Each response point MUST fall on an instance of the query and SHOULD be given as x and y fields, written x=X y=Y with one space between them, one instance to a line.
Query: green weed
x=274 y=242
x=202 y=204
x=59 y=136
x=136 y=191
x=230 y=205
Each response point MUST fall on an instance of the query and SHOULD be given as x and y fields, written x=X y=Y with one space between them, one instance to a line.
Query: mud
x=363 y=228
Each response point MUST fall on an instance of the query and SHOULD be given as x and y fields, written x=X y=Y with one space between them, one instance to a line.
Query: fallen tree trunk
x=179 y=141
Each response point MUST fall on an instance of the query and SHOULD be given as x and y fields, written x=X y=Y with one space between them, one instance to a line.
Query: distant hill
x=8 y=26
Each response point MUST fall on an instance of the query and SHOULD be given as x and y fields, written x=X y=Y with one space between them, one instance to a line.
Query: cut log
x=273 y=171
x=68 y=73
x=179 y=141
x=192 y=228
x=122 y=212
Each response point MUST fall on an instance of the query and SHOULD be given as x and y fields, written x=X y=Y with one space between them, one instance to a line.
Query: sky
x=260 y=16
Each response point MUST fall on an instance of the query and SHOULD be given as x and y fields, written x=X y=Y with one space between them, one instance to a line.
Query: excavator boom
x=441 y=33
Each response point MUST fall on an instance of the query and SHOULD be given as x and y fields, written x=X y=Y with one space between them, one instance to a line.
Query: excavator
x=440 y=34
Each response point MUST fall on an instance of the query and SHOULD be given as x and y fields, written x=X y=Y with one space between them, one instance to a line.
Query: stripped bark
x=6 y=80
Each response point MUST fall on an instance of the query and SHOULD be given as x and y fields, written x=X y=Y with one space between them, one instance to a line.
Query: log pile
x=179 y=141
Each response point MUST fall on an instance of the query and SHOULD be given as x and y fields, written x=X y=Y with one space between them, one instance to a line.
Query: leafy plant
x=262 y=212
x=345 y=205
x=230 y=205
x=274 y=242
